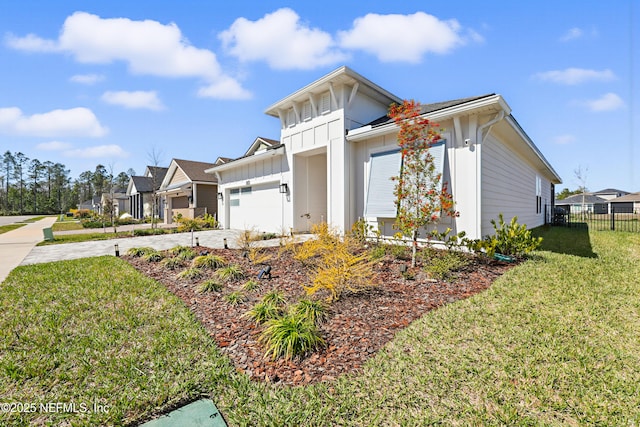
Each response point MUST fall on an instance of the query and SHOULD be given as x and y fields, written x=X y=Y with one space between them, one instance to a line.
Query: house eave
x=246 y=160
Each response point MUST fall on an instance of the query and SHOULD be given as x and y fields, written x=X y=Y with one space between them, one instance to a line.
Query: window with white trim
x=538 y=194
x=306 y=111
x=291 y=117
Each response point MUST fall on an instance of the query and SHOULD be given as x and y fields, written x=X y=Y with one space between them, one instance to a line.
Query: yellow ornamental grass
x=340 y=271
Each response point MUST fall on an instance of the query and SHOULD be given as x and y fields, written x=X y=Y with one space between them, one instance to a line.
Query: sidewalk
x=15 y=245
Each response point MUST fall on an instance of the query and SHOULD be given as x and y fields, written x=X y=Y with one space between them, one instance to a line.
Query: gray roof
x=144 y=184
x=577 y=199
x=430 y=108
x=195 y=170
x=633 y=197
x=158 y=173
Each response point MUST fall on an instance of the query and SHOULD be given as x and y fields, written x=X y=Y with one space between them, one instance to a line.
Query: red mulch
x=359 y=324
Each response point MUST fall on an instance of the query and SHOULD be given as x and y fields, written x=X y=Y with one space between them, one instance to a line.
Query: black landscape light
x=117 y=249
x=265 y=272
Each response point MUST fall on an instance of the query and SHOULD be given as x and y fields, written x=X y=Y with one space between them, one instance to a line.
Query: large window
x=380 y=200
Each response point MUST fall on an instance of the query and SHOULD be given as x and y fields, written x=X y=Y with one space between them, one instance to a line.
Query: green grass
x=34 y=219
x=76 y=238
x=553 y=342
x=10 y=227
x=66 y=226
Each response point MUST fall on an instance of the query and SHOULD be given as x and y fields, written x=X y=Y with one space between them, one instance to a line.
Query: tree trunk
x=414 y=249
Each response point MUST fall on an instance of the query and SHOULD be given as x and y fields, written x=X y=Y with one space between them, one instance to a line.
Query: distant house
x=188 y=190
x=609 y=193
x=141 y=191
x=629 y=203
x=584 y=203
x=118 y=201
x=338 y=150
x=91 y=205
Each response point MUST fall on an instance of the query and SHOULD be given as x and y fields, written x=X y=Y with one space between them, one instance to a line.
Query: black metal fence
x=561 y=215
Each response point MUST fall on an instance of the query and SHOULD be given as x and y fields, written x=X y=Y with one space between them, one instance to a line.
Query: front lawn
x=10 y=227
x=552 y=342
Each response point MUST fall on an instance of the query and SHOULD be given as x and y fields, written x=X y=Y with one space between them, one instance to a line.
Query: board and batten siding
x=509 y=187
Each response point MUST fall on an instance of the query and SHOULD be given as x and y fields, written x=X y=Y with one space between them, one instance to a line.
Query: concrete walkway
x=15 y=245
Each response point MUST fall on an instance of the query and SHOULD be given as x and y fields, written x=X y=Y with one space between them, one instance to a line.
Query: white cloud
x=564 y=139
x=281 y=40
x=73 y=122
x=54 y=146
x=86 y=79
x=98 y=151
x=572 y=34
x=134 y=100
x=574 y=76
x=404 y=38
x=607 y=102
x=148 y=47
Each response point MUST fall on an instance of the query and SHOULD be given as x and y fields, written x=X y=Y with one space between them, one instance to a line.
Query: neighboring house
x=584 y=203
x=338 y=151
x=188 y=190
x=629 y=203
x=91 y=205
x=609 y=193
x=141 y=191
x=118 y=201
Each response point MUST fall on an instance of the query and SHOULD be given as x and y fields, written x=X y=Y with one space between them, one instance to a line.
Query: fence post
x=613 y=218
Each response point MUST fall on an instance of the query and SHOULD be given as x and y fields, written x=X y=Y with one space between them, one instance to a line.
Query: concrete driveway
x=15 y=245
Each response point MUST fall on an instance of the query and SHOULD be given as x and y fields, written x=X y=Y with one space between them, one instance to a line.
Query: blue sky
x=88 y=82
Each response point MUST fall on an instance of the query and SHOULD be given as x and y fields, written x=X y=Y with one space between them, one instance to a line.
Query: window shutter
x=437 y=151
x=306 y=111
x=381 y=202
x=325 y=103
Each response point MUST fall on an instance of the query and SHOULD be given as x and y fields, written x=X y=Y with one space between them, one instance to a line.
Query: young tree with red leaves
x=420 y=198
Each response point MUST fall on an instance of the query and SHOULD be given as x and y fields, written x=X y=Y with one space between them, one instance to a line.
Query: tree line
x=31 y=186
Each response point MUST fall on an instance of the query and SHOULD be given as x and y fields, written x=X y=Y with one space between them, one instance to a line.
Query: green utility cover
x=200 y=413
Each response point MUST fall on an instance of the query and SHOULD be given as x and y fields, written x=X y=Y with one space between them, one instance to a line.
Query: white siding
x=509 y=187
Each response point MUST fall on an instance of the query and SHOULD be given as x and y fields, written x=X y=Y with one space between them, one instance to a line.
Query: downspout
x=479 y=140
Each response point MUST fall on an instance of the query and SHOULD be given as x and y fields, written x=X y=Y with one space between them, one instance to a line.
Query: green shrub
x=235 y=298
x=209 y=261
x=377 y=252
x=172 y=263
x=513 y=238
x=230 y=272
x=192 y=273
x=264 y=311
x=138 y=252
x=290 y=336
x=274 y=297
x=400 y=251
x=184 y=253
x=441 y=267
x=154 y=256
x=251 y=285
x=211 y=285
x=314 y=311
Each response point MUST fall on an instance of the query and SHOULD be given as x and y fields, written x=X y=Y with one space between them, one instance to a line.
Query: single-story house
x=117 y=199
x=609 y=193
x=188 y=190
x=91 y=205
x=629 y=203
x=141 y=191
x=338 y=150
x=584 y=203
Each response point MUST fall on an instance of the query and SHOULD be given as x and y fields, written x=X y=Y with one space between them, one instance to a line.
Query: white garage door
x=256 y=206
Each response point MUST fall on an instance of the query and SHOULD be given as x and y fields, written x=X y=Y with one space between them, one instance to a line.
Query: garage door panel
x=257 y=206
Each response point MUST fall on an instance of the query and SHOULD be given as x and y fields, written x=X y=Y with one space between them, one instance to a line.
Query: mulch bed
x=359 y=324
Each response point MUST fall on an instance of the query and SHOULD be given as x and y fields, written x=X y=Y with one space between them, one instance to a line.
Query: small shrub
x=290 y=336
x=246 y=239
x=513 y=238
x=259 y=256
x=184 y=253
x=172 y=263
x=274 y=297
x=442 y=266
x=230 y=272
x=251 y=285
x=235 y=298
x=209 y=261
x=138 y=252
x=192 y=273
x=263 y=312
x=154 y=256
x=211 y=286
x=377 y=252
x=314 y=311
x=340 y=271
x=400 y=252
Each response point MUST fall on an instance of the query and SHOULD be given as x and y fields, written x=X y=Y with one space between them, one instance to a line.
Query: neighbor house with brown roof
x=188 y=191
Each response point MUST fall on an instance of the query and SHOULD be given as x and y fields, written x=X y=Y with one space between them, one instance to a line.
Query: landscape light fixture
x=266 y=271
x=220 y=196
x=117 y=249
x=197 y=241
x=284 y=188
